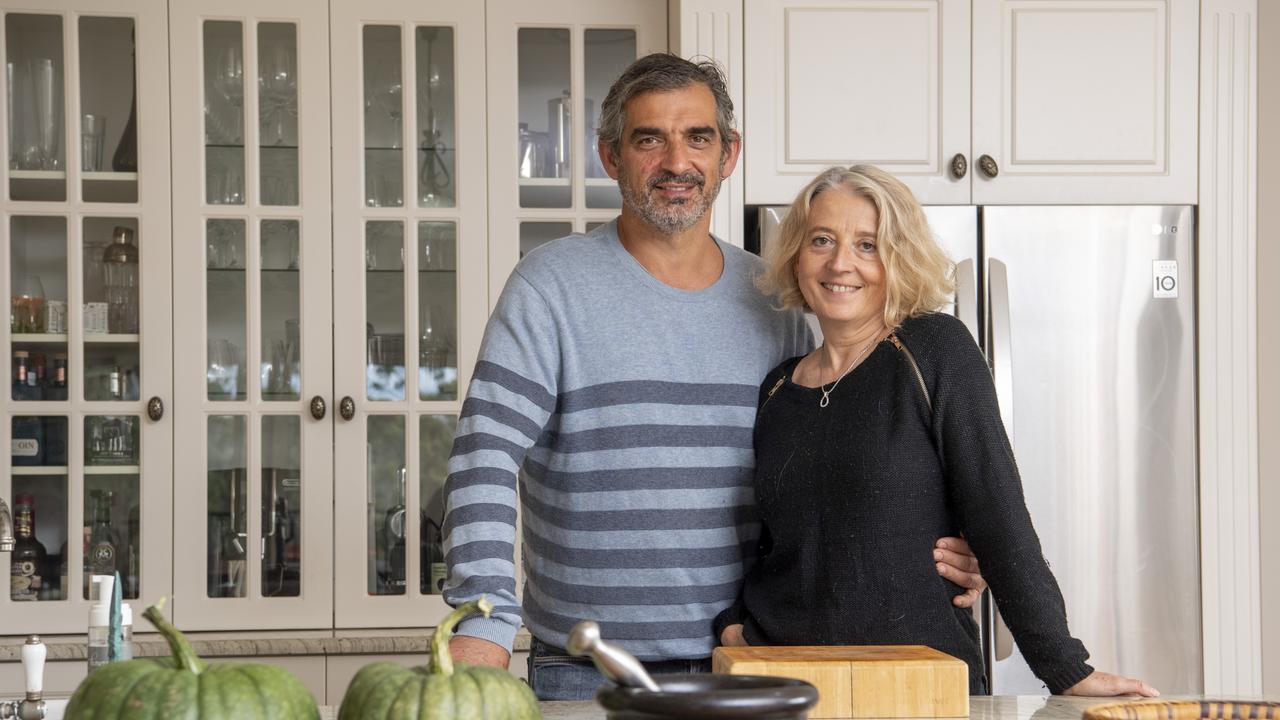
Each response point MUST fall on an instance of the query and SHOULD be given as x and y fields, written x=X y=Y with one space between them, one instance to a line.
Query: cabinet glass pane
x=437 y=311
x=108 y=122
x=386 y=575
x=228 y=527
x=112 y=531
x=544 y=127
x=437 y=143
x=383 y=116
x=384 y=303
x=593 y=225
x=112 y=249
x=38 y=307
x=224 y=112
x=281 y=506
x=435 y=436
x=278 y=112
x=39 y=441
x=281 y=365
x=533 y=234
x=607 y=53
x=226 y=302
x=37 y=125
x=38 y=564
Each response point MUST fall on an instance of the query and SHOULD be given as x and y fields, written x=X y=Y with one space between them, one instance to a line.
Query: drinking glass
x=228 y=80
x=45 y=97
x=92 y=130
x=27 y=305
x=278 y=84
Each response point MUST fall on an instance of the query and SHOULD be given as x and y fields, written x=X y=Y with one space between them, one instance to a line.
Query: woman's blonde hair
x=917 y=271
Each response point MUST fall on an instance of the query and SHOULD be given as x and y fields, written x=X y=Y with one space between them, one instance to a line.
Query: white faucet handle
x=33 y=655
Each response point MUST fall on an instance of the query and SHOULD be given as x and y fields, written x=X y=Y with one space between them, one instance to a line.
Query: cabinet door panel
x=411 y=284
x=252 y=251
x=1085 y=102
x=86 y=255
x=838 y=82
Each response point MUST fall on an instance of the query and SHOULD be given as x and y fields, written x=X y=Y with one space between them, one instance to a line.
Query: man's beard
x=673 y=217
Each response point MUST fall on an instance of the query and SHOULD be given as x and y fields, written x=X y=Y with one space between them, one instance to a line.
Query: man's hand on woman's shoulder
x=957 y=563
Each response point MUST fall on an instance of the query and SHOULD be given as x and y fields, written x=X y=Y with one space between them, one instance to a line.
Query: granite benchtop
x=410 y=641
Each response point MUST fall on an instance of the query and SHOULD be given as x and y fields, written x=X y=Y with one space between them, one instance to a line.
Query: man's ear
x=730 y=159
x=607 y=159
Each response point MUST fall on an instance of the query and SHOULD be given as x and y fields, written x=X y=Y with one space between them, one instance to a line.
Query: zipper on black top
x=893 y=338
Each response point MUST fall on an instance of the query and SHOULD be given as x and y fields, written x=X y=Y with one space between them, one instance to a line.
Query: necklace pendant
x=826 y=399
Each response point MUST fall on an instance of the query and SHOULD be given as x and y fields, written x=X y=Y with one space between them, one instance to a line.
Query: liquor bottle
x=101 y=557
x=58 y=386
x=434 y=569
x=27 y=444
x=29 y=561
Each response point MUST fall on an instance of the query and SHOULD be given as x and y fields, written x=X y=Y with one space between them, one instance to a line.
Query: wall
x=1269 y=335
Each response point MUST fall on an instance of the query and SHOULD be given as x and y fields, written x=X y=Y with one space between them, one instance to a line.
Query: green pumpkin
x=184 y=687
x=389 y=691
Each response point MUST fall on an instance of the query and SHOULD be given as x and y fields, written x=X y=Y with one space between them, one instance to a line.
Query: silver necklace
x=826 y=391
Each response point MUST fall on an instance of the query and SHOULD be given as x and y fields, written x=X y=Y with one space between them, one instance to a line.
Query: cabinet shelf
x=112 y=470
x=39 y=469
x=97 y=176
x=111 y=338
x=42 y=338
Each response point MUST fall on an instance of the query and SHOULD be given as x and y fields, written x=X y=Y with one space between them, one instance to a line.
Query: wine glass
x=228 y=80
x=278 y=84
x=383 y=92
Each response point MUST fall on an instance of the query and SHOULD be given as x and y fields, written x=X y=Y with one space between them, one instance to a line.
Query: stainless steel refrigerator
x=1087 y=318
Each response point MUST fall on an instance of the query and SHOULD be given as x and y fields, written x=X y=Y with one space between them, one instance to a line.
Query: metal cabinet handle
x=318 y=407
x=155 y=409
x=959 y=166
x=347 y=408
x=988 y=166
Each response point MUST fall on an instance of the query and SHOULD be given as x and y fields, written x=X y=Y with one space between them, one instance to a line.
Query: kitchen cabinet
x=976 y=101
x=86 y=414
x=550 y=65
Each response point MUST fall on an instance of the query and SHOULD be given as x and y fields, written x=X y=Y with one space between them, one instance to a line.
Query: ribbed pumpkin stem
x=441 y=660
x=183 y=653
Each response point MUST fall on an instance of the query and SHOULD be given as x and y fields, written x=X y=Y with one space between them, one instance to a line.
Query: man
x=620 y=372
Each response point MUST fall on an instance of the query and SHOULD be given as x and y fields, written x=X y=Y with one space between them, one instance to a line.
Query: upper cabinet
x=85 y=248
x=1069 y=101
x=550 y=65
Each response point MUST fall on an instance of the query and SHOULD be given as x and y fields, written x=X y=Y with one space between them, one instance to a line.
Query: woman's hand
x=731 y=636
x=1100 y=684
x=956 y=562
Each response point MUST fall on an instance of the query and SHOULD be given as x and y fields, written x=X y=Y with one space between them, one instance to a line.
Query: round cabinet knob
x=155 y=409
x=959 y=166
x=318 y=407
x=347 y=408
x=988 y=166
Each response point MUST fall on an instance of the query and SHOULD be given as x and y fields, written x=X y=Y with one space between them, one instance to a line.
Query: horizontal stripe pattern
x=635 y=472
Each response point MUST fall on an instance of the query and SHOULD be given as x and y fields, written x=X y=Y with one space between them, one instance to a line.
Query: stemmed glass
x=383 y=93
x=278 y=84
x=228 y=80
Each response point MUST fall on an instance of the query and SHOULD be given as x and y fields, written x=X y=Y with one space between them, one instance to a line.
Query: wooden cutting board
x=1183 y=710
x=869 y=681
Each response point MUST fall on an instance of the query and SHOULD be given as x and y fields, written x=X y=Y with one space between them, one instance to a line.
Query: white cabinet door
x=410 y=291
x=836 y=82
x=1085 y=101
x=253 y=477
x=84 y=259
x=550 y=65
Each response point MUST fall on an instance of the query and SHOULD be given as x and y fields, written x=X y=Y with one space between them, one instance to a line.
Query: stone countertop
x=1000 y=707
x=411 y=641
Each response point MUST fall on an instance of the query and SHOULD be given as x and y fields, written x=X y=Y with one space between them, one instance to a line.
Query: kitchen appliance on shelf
x=1087 y=318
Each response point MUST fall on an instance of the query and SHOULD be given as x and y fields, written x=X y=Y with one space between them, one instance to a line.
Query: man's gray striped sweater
x=628 y=405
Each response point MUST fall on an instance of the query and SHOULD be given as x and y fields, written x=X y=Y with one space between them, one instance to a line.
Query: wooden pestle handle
x=1185 y=710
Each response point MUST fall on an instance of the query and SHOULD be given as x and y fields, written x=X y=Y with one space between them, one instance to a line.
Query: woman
x=881 y=441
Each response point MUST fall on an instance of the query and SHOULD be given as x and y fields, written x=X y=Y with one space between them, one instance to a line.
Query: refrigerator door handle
x=999 y=352
x=1000 y=355
x=967 y=297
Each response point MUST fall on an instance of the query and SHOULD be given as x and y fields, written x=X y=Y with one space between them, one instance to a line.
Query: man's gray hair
x=664 y=72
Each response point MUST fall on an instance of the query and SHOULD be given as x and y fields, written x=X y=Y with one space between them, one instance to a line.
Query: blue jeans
x=556 y=675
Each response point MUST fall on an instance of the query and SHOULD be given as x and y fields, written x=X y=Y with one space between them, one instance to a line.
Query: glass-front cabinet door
x=550 y=67
x=409 y=291
x=252 y=328
x=84 y=237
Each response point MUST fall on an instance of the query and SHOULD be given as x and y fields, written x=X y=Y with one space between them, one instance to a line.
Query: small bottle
x=103 y=587
x=113 y=383
x=21 y=369
x=58 y=388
